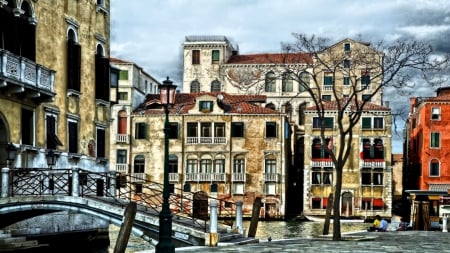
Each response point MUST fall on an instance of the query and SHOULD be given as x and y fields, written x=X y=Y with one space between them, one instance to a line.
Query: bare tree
x=367 y=69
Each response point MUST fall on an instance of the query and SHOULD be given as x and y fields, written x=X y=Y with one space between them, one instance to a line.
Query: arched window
x=139 y=164
x=101 y=74
x=270 y=164
x=239 y=164
x=215 y=86
x=287 y=82
x=122 y=122
x=435 y=170
x=270 y=82
x=73 y=61
x=195 y=86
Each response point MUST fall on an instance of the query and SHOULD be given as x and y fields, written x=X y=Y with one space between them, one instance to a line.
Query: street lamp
x=51 y=158
x=11 y=152
x=167 y=97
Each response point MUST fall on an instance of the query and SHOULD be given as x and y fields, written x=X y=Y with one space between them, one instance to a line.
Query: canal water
x=274 y=229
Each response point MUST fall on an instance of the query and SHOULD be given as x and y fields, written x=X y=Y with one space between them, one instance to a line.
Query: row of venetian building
x=239 y=129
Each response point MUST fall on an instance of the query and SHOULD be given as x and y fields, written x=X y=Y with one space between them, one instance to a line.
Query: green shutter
x=123 y=75
x=366 y=122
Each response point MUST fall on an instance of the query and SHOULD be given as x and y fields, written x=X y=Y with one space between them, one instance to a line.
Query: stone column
x=75 y=182
x=112 y=184
x=238 y=223
x=5 y=183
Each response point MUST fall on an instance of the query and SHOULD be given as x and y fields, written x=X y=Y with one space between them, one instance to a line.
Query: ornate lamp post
x=51 y=158
x=167 y=96
x=11 y=152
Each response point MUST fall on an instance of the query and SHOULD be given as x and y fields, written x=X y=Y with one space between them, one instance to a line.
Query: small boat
x=316 y=218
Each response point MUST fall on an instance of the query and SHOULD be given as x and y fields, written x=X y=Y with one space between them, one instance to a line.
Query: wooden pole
x=255 y=217
x=326 y=226
x=125 y=229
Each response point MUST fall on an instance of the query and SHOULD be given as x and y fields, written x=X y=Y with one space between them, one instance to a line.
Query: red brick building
x=427 y=170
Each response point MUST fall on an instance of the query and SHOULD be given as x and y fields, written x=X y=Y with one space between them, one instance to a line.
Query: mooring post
x=212 y=238
x=238 y=222
x=255 y=217
x=5 y=182
x=75 y=182
x=125 y=229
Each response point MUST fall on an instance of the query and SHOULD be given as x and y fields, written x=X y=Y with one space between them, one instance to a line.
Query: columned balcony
x=122 y=138
x=271 y=177
x=138 y=177
x=238 y=177
x=322 y=162
x=206 y=140
x=24 y=78
x=206 y=177
x=372 y=163
x=122 y=168
x=174 y=178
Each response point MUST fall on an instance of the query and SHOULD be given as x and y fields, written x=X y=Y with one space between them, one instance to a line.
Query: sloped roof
x=240 y=104
x=117 y=60
x=269 y=58
x=333 y=105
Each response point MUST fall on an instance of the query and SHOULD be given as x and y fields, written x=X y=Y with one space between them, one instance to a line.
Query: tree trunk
x=336 y=207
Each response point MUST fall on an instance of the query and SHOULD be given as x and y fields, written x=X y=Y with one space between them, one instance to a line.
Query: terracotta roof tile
x=333 y=105
x=242 y=104
x=270 y=58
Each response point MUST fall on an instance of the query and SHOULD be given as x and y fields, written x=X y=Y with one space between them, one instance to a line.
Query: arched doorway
x=347 y=204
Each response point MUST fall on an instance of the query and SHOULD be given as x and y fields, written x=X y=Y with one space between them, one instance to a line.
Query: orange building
x=427 y=170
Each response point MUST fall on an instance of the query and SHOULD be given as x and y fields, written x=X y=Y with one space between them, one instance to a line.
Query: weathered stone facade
x=232 y=149
x=55 y=77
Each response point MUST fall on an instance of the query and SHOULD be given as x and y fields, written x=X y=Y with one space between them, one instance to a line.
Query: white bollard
x=239 y=224
x=444 y=223
x=75 y=182
x=5 y=183
x=213 y=217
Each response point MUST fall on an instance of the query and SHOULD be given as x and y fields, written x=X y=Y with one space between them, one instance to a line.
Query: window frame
x=271 y=129
x=237 y=129
x=328 y=122
x=436 y=113
x=195 y=57
x=215 y=56
x=435 y=140
x=434 y=169
x=140 y=130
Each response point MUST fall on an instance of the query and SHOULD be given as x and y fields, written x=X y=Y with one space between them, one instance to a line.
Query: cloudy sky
x=151 y=32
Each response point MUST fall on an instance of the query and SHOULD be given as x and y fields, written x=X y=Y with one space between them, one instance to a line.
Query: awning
x=377 y=202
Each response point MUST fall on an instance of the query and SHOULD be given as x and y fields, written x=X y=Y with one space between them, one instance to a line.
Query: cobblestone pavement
x=401 y=241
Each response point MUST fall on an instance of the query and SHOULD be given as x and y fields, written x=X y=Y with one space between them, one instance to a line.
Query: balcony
x=206 y=177
x=174 y=178
x=122 y=138
x=206 y=140
x=372 y=163
x=138 y=177
x=21 y=76
x=238 y=177
x=122 y=168
x=321 y=162
x=271 y=177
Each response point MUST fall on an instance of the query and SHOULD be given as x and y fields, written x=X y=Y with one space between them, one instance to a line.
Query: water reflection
x=274 y=229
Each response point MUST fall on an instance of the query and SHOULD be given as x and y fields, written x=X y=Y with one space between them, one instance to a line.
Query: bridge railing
x=121 y=188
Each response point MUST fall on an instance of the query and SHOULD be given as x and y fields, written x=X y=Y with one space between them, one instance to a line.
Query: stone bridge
x=30 y=193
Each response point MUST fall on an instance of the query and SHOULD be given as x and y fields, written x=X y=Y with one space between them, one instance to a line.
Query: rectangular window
x=271 y=129
x=435 y=140
x=101 y=142
x=434 y=168
x=102 y=75
x=121 y=156
x=316 y=203
x=123 y=96
x=123 y=75
x=327 y=122
x=378 y=122
x=366 y=98
x=173 y=130
x=346 y=64
x=205 y=129
x=237 y=129
x=238 y=188
x=27 y=127
x=195 y=56
x=215 y=56
x=377 y=177
x=173 y=164
x=206 y=106
x=366 y=176
x=192 y=130
x=347 y=47
x=346 y=80
x=140 y=130
x=52 y=138
x=73 y=136
x=328 y=79
x=219 y=129
x=270 y=188
x=326 y=97
x=271 y=166
x=435 y=113
x=366 y=123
